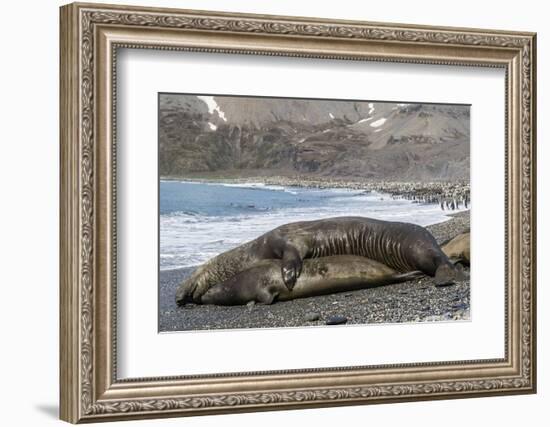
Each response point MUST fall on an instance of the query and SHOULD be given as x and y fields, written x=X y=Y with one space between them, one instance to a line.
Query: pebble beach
x=414 y=301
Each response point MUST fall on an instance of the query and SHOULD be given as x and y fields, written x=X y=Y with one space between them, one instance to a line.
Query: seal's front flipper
x=291 y=266
x=266 y=296
x=405 y=277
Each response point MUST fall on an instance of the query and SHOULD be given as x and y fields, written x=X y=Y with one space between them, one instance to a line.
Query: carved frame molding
x=90 y=36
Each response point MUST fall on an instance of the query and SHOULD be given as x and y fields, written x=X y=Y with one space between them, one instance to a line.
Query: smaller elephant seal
x=458 y=249
x=264 y=284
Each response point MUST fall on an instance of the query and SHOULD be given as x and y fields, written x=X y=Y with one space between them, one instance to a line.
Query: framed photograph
x=267 y=212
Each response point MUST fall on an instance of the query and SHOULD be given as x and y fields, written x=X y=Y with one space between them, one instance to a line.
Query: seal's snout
x=180 y=299
x=182 y=296
x=447 y=274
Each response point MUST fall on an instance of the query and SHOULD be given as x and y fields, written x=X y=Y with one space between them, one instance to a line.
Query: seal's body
x=264 y=284
x=401 y=246
x=458 y=249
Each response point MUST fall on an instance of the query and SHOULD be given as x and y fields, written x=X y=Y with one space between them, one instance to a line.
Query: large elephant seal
x=264 y=284
x=402 y=246
x=457 y=249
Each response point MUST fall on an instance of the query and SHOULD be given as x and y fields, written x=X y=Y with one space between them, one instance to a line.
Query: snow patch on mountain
x=371 y=108
x=213 y=106
x=378 y=122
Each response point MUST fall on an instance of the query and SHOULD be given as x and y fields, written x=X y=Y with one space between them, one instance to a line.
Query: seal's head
x=191 y=288
x=448 y=274
x=182 y=295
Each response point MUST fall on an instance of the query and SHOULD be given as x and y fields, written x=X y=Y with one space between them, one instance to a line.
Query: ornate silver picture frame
x=91 y=37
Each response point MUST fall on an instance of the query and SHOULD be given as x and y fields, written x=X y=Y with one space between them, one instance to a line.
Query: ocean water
x=200 y=220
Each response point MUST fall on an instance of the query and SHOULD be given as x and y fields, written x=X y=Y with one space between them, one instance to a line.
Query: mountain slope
x=372 y=140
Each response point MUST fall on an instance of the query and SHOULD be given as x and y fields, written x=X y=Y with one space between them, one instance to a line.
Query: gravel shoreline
x=414 y=301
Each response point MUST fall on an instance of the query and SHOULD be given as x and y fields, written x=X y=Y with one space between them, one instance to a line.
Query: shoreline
x=414 y=301
x=448 y=194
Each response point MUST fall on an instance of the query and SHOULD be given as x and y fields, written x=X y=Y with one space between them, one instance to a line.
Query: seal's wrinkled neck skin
x=215 y=271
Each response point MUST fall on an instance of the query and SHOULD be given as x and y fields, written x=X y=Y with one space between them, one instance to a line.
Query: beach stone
x=337 y=320
x=312 y=317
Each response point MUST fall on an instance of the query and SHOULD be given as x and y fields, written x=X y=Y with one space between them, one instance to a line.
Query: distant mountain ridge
x=345 y=139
